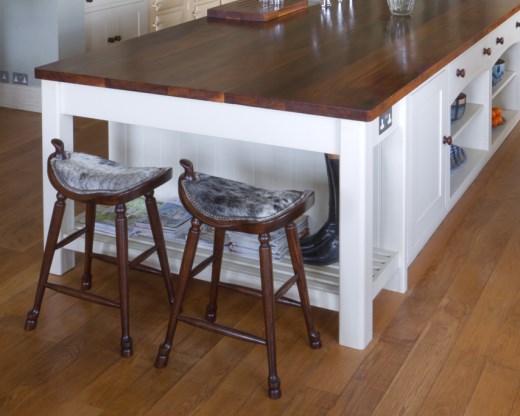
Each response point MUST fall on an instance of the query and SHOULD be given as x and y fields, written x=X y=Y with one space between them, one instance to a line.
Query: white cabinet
x=108 y=22
x=433 y=188
x=200 y=8
x=166 y=13
x=427 y=156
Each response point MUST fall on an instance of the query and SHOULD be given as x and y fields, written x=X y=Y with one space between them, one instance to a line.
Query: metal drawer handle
x=461 y=73
x=447 y=140
x=487 y=51
x=500 y=41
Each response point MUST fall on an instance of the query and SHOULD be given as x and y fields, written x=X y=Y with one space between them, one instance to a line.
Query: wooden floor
x=449 y=346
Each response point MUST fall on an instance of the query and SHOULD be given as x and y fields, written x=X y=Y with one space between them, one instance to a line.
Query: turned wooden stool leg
x=218 y=252
x=301 y=282
x=123 y=271
x=48 y=255
x=158 y=238
x=266 y=275
x=90 y=223
x=184 y=274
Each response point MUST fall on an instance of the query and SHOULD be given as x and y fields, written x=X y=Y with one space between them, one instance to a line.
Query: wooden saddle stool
x=229 y=205
x=94 y=180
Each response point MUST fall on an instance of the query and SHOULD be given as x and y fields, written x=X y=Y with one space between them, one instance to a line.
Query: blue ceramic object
x=457 y=157
x=498 y=72
x=458 y=107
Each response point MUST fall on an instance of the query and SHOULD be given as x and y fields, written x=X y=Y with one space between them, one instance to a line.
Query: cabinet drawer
x=157 y=6
x=503 y=37
x=200 y=8
x=170 y=17
x=467 y=66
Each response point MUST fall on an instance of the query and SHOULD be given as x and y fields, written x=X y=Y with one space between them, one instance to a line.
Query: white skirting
x=21 y=97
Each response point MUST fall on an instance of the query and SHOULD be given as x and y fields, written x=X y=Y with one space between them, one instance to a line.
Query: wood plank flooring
x=449 y=346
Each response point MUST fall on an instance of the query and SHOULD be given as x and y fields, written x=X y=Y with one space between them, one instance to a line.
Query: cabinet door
x=428 y=157
x=105 y=28
x=131 y=22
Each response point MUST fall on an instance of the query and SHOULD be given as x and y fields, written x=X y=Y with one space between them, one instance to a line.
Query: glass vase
x=401 y=7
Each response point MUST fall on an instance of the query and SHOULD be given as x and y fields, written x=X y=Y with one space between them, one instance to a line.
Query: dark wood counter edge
x=276 y=104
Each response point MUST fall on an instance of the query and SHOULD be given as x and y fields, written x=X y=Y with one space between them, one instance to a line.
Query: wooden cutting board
x=256 y=10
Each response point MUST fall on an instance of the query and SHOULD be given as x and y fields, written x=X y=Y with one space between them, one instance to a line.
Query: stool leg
x=90 y=223
x=158 y=238
x=266 y=275
x=122 y=269
x=301 y=282
x=218 y=251
x=48 y=255
x=184 y=274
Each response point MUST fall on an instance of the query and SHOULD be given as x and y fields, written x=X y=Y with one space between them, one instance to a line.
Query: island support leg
x=356 y=234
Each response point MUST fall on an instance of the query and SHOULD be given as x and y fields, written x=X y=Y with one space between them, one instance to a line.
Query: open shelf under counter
x=499 y=133
x=461 y=178
x=322 y=281
x=472 y=110
x=497 y=89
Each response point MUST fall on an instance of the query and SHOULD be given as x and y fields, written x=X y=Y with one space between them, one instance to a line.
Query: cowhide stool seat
x=93 y=180
x=230 y=205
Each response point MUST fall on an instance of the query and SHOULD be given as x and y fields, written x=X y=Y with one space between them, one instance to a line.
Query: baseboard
x=21 y=97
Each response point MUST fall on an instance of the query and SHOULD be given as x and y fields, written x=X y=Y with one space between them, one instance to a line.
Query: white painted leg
x=356 y=199
x=399 y=283
x=55 y=125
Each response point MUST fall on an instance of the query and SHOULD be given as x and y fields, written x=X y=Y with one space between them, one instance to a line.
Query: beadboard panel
x=260 y=165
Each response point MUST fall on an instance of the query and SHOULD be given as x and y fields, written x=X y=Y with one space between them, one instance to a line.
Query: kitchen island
x=350 y=80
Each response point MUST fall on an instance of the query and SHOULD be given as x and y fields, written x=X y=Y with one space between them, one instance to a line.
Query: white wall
x=36 y=32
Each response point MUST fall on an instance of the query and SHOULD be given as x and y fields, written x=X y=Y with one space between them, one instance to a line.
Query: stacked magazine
x=248 y=244
x=176 y=222
x=106 y=216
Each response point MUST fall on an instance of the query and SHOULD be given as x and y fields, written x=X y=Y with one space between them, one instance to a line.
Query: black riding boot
x=322 y=248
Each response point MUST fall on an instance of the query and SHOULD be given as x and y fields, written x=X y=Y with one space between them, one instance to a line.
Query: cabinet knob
x=517 y=25
x=113 y=39
x=487 y=51
x=92 y=1
x=500 y=41
x=461 y=73
x=447 y=140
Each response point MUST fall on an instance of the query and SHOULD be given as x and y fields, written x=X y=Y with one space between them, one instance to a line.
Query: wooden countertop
x=351 y=61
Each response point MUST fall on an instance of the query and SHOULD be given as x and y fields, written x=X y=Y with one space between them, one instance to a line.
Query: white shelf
x=464 y=175
x=472 y=110
x=508 y=77
x=323 y=281
x=499 y=133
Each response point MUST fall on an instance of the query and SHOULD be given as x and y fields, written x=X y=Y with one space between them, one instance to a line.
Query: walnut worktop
x=351 y=61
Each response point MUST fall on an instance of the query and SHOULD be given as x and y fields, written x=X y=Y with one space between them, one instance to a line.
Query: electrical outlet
x=4 y=76
x=20 y=78
x=385 y=121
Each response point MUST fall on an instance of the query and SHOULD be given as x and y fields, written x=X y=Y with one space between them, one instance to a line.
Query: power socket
x=385 y=121
x=20 y=78
x=4 y=76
